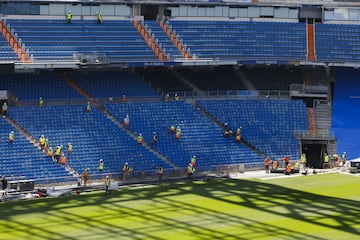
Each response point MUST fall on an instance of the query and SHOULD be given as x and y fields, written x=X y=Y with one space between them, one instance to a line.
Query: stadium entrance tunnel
x=314 y=151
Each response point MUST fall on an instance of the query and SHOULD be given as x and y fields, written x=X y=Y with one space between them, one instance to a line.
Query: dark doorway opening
x=314 y=153
x=149 y=12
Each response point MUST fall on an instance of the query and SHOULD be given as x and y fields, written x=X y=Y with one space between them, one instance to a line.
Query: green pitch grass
x=315 y=207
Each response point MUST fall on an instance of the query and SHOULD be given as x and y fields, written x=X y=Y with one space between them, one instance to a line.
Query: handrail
x=315 y=135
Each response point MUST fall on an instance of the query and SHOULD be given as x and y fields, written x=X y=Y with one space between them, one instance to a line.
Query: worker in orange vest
x=267 y=164
x=288 y=169
x=63 y=159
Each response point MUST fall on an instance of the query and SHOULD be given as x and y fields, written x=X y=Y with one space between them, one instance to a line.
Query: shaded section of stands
x=346 y=116
x=92 y=135
x=164 y=80
x=243 y=40
x=219 y=78
x=268 y=124
x=274 y=78
x=21 y=159
x=31 y=86
x=104 y=84
x=200 y=136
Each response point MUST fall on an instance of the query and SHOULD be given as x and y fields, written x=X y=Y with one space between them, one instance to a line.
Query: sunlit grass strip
x=308 y=207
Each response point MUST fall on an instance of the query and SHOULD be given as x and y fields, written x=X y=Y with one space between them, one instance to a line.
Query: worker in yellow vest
x=99 y=18
x=140 y=139
x=11 y=137
x=107 y=184
x=101 y=165
x=69 y=17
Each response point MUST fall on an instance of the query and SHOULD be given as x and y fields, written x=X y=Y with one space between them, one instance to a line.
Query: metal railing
x=314 y=134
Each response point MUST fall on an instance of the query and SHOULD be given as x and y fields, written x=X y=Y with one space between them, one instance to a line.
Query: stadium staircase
x=14 y=44
x=310 y=43
x=150 y=40
x=175 y=39
x=164 y=42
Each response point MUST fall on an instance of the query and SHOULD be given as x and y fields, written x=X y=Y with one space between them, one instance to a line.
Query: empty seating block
x=105 y=84
x=267 y=124
x=29 y=86
x=243 y=40
x=337 y=43
x=55 y=40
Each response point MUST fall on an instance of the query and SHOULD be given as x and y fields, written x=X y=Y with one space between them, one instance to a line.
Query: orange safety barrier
x=148 y=39
x=14 y=44
x=173 y=38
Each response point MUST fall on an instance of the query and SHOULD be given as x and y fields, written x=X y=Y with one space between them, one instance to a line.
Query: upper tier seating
x=6 y=52
x=337 y=42
x=267 y=124
x=200 y=135
x=164 y=41
x=92 y=135
x=50 y=40
x=243 y=40
x=22 y=158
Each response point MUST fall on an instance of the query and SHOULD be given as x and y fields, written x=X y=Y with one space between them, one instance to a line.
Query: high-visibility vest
x=326 y=158
x=107 y=182
x=50 y=152
x=303 y=158
x=69 y=16
x=63 y=159
x=11 y=137
x=58 y=151
x=99 y=17
x=297 y=165
x=101 y=166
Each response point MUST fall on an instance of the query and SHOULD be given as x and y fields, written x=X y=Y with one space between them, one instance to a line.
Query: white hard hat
x=126 y=163
x=107 y=176
x=12 y=132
